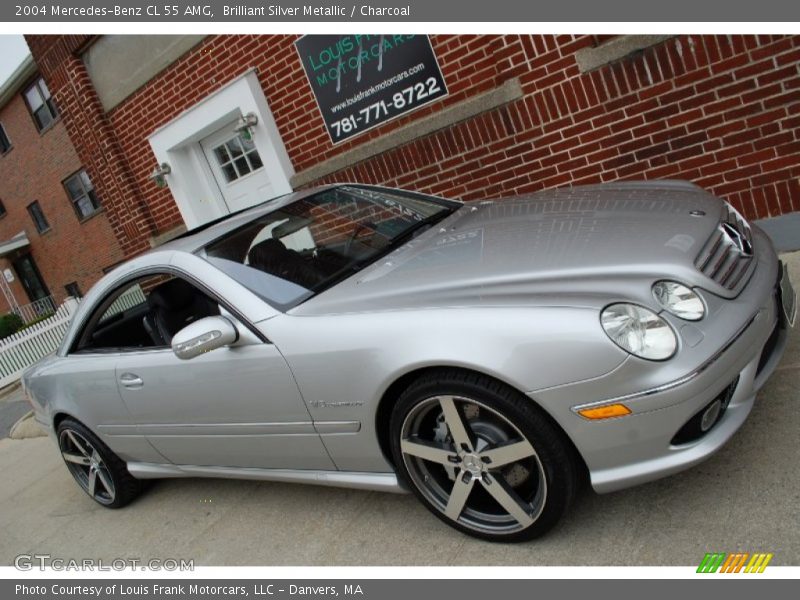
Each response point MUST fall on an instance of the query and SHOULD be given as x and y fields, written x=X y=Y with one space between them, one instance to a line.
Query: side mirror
x=203 y=336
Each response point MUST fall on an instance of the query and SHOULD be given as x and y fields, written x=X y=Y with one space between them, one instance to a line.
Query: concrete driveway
x=745 y=498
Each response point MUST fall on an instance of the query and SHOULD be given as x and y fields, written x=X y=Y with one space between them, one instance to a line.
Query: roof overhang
x=17 y=242
x=17 y=79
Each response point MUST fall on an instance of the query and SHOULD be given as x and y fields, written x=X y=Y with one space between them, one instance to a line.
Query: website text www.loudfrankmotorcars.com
x=195 y=10
x=181 y=590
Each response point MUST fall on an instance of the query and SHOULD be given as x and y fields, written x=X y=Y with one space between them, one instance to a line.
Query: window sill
x=6 y=151
x=49 y=127
x=91 y=216
x=589 y=59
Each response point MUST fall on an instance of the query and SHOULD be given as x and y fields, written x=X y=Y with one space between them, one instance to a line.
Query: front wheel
x=482 y=457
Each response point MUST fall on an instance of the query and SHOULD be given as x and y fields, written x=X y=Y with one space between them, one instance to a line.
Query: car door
x=236 y=406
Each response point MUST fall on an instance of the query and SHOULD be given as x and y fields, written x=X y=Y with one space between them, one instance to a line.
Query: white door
x=236 y=164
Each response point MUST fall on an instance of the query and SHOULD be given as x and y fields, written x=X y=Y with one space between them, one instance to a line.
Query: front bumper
x=637 y=448
x=662 y=458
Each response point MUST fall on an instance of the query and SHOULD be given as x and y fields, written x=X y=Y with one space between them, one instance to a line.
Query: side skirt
x=380 y=482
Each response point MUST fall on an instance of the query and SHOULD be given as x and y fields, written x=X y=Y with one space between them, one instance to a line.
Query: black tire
x=502 y=418
x=77 y=443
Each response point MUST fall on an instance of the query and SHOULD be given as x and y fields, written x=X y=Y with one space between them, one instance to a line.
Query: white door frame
x=177 y=143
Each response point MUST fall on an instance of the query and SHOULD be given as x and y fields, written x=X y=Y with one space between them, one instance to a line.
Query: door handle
x=130 y=380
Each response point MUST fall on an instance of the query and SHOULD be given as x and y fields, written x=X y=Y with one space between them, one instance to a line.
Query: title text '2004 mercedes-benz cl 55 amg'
x=486 y=356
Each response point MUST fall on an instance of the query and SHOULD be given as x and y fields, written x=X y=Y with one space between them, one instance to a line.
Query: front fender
x=343 y=364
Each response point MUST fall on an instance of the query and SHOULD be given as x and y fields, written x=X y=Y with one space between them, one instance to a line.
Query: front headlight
x=679 y=300
x=639 y=331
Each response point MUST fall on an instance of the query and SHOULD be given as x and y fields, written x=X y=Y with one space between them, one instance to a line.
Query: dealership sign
x=361 y=81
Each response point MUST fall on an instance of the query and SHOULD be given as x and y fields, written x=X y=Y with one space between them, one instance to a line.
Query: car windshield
x=305 y=247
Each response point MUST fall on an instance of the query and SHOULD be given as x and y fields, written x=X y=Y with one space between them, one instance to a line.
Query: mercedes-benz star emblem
x=737 y=239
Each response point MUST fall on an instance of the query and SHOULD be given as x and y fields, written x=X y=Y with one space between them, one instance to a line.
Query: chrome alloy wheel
x=87 y=466
x=473 y=464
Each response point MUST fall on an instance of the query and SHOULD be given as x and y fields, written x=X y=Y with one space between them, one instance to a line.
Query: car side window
x=145 y=313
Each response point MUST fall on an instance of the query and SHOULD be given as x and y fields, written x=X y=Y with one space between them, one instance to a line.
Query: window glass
x=81 y=192
x=34 y=98
x=44 y=90
x=308 y=245
x=5 y=143
x=237 y=157
x=41 y=105
x=37 y=215
x=74 y=187
x=146 y=313
x=132 y=297
x=73 y=290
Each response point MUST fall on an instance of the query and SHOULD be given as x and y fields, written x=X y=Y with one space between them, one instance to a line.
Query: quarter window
x=237 y=157
x=82 y=195
x=39 y=220
x=41 y=104
x=5 y=143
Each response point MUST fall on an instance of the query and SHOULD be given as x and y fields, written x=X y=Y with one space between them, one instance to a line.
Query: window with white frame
x=237 y=157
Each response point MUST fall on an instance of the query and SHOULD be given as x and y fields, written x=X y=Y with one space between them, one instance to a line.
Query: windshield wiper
x=416 y=229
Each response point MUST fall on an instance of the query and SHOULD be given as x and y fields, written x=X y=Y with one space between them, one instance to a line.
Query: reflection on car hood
x=499 y=252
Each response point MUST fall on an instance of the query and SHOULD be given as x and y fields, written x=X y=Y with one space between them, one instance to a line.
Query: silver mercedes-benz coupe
x=487 y=356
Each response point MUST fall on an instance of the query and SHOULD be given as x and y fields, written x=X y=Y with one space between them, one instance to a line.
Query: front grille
x=726 y=256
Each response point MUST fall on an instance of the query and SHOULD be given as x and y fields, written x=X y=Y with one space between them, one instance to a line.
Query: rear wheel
x=482 y=457
x=99 y=472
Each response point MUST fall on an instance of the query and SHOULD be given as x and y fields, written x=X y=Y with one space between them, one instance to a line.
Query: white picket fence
x=22 y=349
x=34 y=310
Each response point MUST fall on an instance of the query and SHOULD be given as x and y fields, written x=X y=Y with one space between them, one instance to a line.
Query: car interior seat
x=273 y=257
x=173 y=305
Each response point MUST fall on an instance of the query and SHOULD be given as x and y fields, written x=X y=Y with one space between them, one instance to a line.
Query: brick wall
x=718 y=110
x=33 y=170
x=722 y=111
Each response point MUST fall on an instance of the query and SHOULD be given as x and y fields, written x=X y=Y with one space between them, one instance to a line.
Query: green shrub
x=10 y=324
x=41 y=317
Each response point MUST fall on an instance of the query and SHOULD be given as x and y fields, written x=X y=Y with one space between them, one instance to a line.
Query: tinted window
x=145 y=313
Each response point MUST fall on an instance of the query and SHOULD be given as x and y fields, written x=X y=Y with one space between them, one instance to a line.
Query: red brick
x=593 y=115
x=652 y=151
x=777 y=75
x=767 y=117
x=33 y=169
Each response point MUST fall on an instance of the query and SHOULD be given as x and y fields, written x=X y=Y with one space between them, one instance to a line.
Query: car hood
x=574 y=246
